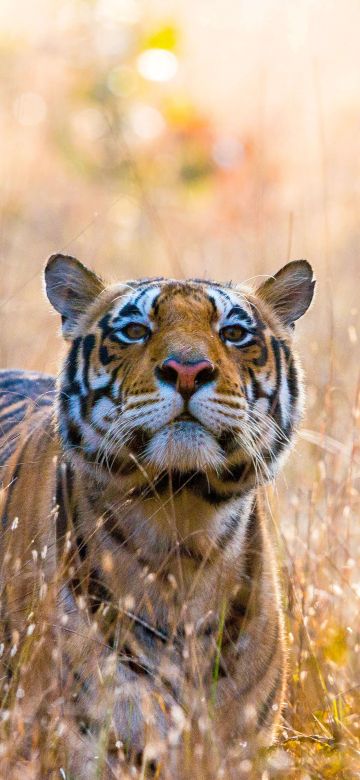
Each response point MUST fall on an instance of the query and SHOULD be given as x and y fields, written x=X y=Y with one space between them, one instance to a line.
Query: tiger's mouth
x=184 y=444
x=186 y=417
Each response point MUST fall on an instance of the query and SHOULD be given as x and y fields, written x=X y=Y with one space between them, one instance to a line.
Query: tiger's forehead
x=170 y=297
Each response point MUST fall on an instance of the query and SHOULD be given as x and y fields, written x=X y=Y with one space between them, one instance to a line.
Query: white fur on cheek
x=154 y=415
x=262 y=405
x=103 y=408
x=214 y=416
x=91 y=440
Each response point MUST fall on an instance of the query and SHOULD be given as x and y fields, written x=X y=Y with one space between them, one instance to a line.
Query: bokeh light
x=157 y=65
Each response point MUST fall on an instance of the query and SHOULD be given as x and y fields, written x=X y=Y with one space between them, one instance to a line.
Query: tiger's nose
x=187 y=377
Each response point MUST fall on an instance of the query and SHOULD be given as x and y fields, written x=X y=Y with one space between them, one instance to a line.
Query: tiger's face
x=189 y=376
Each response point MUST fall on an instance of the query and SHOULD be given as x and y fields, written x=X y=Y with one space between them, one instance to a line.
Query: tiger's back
x=23 y=394
x=28 y=450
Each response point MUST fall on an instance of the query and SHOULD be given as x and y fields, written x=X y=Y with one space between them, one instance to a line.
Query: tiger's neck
x=173 y=561
x=165 y=519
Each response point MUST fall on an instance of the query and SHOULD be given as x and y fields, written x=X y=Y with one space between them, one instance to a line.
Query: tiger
x=140 y=594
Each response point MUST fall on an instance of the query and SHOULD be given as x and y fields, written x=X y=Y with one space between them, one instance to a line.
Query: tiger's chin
x=184 y=446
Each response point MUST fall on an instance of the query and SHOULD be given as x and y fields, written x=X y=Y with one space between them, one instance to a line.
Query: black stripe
x=73 y=436
x=12 y=413
x=128 y=310
x=27 y=388
x=149 y=286
x=260 y=361
x=18 y=379
x=275 y=409
x=14 y=398
x=104 y=356
x=238 y=311
x=7 y=451
x=81 y=548
x=71 y=364
x=10 y=401
x=64 y=484
x=214 y=498
x=146 y=634
x=105 y=324
x=233 y=473
x=155 y=305
x=132 y=662
x=292 y=380
x=257 y=388
x=111 y=524
x=228 y=441
x=87 y=349
x=197 y=483
x=232 y=524
x=213 y=304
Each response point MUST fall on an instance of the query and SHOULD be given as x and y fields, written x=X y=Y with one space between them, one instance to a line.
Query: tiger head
x=180 y=376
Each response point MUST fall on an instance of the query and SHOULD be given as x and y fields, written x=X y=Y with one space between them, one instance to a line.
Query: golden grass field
x=246 y=155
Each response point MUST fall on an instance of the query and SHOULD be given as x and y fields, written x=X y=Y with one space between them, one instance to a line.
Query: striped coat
x=133 y=531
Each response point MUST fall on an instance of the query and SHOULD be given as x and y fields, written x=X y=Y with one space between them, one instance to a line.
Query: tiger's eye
x=232 y=333
x=135 y=331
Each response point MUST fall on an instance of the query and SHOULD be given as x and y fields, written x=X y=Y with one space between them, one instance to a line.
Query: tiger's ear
x=70 y=288
x=290 y=292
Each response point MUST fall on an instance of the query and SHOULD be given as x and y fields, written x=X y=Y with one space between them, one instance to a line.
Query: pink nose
x=187 y=377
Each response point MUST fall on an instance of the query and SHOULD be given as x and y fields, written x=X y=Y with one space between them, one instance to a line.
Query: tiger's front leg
x=116 y=716
x=252 y=671
x=250 y=688
x=114 y=701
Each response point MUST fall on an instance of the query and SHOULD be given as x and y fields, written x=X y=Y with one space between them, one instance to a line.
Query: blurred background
x=216 y=138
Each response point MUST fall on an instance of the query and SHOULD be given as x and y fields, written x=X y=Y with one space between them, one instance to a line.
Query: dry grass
x=77 y=176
